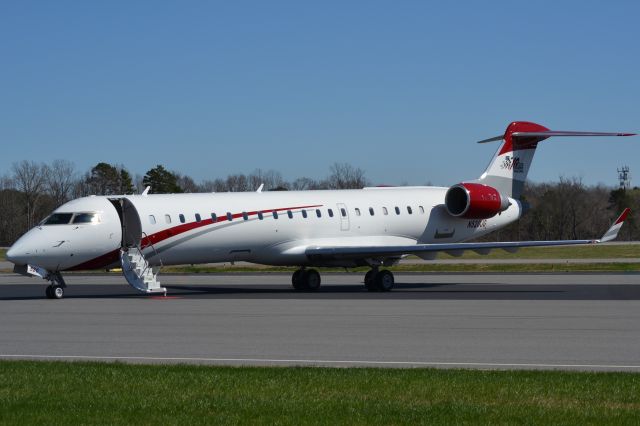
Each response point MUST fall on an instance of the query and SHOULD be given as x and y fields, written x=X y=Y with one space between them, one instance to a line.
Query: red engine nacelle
x=475 y=201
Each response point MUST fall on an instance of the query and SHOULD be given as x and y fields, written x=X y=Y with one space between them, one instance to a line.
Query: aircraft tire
x=384 y=281
x=312 y=280
x=297 y=279
x=369 y=281
x=57 y=292
x=367 y=277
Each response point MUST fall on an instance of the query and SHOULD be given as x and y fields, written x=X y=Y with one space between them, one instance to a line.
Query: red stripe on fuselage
x=185 y=227
x=113 y=256
x=98 y=262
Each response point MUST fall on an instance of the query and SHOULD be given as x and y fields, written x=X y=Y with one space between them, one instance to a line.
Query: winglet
x=612 y=233
x=146 y=191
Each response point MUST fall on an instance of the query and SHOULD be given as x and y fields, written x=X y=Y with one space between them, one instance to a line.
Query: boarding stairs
x=138 y=271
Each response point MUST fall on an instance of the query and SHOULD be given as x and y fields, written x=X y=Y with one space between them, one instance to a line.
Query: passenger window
x=385 y=211
x=275 y=214
x=318 y=213
x=371 y=211
x=421 y=209
x=167 y=218
x=330 y=212
x=214 y=217
x=152 y=219
x=245 y=216
x=343 y=212
x=357 y=211
x=58 y=219
x=409 y=210
x=229 y=216
x=198 y=218
x=290 y=214
x=304 y=214
x=397 y=210
x=181 y=216
x=260 y=215
x=92 y=218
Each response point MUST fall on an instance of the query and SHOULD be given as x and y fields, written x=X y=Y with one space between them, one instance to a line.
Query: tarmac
x=485 y=321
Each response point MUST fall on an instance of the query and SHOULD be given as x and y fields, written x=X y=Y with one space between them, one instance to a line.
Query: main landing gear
x=55 y=290
x=376 y=280
x=306 y=279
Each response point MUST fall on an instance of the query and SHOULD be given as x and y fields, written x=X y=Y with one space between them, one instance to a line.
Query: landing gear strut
x=306 y=279
x=55 y=290
x=376 y=280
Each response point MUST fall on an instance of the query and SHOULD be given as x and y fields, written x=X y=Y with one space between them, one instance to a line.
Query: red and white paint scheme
x=372 y=227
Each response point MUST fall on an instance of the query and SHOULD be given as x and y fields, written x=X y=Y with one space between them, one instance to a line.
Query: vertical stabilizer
x=508 y=170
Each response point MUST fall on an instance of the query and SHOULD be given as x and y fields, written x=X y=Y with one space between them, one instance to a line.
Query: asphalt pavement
x=549 y=321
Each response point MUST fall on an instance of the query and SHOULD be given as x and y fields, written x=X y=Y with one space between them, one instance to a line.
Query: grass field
x=90 y=393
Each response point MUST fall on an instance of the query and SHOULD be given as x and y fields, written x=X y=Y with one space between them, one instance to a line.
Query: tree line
x=567 y=209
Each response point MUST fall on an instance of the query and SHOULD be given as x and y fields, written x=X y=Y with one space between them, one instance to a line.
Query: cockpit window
x=86 y=218
x=58 y=219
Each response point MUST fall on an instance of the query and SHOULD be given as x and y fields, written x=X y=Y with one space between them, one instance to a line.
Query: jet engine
x=475 y=201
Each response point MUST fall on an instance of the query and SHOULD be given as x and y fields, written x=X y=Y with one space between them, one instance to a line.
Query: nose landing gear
x=55 y=290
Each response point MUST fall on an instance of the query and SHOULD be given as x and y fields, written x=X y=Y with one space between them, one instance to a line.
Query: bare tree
x=217 y=185
x=345 y=176
x=237 y=183
x=271 y=179
x=30 y=179
x=302 y=184
x=60 y=181
x=255 y=179
x=6 y=183
x=186 y=183
x=137 y=183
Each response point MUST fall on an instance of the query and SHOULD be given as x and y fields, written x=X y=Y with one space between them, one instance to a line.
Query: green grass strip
x=111 y=393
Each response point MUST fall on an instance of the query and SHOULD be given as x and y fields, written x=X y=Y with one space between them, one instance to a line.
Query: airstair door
x=129 y=221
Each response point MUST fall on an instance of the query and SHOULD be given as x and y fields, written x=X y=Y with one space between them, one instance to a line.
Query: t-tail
x=509 y=168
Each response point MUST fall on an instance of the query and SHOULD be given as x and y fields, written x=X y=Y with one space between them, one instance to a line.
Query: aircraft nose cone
x=16 y=254
x=11 y=255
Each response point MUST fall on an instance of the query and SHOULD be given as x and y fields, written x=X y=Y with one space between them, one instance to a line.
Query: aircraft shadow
x=402 y=291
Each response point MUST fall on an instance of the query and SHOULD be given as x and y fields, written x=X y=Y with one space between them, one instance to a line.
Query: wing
x=428 y=251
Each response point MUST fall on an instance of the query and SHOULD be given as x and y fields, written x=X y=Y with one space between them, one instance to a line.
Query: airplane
x=373 y=227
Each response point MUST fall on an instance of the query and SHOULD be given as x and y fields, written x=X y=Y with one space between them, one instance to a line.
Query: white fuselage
x=265 y=227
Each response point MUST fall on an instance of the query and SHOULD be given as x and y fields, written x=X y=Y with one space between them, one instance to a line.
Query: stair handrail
x=155 y=252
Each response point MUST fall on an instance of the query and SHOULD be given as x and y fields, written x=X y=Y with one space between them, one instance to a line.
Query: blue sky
x=400 y=89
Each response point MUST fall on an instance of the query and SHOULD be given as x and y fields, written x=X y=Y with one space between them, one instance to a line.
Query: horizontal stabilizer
x=549 y=133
